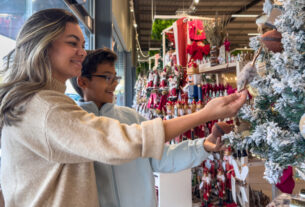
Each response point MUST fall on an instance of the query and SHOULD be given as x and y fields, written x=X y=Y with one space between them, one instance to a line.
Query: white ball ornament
x=302 y=125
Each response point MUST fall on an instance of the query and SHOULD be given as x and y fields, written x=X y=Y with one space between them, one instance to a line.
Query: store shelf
x=218 y=68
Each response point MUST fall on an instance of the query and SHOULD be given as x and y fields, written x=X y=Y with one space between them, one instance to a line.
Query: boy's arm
x=177 y=157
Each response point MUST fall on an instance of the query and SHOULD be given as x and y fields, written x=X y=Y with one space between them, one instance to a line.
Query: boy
x=130 y=184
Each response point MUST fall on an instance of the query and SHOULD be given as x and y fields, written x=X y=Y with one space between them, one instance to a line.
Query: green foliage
x=153 y=52
x=158 y=26
x=142 y=69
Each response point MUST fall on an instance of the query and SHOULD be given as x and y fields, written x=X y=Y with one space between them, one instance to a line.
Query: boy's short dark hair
x=96 y=57
x=93 y=59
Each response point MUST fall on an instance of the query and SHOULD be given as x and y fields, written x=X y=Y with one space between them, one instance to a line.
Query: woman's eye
x=74 y=44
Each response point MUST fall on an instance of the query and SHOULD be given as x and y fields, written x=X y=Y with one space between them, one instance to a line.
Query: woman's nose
x=82 y=52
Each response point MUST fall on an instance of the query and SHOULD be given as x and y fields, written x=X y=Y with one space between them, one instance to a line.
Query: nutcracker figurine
x=221 y=185
x=173 y=87
x=229 y=174
x=199 y=130
x=205 y=187
x=150 y=81
x=169 y=110
x=190 y=133
x=163 y=80
x=155 y=78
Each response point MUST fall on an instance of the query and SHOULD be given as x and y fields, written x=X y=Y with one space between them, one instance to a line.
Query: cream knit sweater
x=47 y=159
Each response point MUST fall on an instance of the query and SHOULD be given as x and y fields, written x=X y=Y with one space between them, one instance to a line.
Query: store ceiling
x=238 y=28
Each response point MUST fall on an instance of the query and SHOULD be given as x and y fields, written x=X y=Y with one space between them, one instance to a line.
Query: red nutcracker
x=199 y=130
x=229 y=174
x=162 y=103
x=155 y=79
x=221 y=185
x=169 y=110
x=163 y=80
x=188 y=110
x=210 y=164
x=205 y=187
x=173 y=87
x=150 y=81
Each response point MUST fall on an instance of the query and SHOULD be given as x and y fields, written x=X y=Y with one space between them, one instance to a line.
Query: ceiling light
x=196 y=1
x=135 y=25
x=245 y=15
x=5 y=15
x=253 y=34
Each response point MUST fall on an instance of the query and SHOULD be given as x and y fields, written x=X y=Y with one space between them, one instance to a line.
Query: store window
x=14 y=13
x=120 y=70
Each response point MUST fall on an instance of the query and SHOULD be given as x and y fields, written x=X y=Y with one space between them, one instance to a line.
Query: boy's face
x=99 y=89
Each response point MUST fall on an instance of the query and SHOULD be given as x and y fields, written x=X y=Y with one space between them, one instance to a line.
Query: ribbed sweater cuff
x=153 y=136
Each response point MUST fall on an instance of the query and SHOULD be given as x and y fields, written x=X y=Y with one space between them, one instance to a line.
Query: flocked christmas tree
x=280 y=101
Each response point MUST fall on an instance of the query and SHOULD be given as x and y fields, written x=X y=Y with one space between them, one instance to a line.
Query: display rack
x=218 y=68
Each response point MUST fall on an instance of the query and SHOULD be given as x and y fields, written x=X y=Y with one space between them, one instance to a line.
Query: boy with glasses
x=130 y=184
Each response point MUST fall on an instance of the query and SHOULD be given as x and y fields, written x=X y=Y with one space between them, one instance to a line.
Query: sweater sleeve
x=73 y=136
x=177 y=157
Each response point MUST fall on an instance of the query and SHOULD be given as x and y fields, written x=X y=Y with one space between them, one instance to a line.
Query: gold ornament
x=302 y=125
x=253 y=91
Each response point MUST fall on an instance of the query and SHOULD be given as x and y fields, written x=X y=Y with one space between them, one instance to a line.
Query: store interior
x=174 y=56
x=180 y=70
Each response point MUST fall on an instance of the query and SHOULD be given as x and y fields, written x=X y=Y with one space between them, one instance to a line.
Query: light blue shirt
x=132 y=184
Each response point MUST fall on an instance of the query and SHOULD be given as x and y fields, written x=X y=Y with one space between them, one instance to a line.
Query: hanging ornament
x=272 y=41
x=302 y=125
x=248 y=73
x=253 y=91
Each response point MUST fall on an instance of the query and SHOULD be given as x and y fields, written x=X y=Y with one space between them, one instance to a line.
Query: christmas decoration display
x=176 y=90
x=275 y=133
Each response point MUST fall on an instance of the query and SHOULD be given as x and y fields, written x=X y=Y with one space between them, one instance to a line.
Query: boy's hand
x=213 y=145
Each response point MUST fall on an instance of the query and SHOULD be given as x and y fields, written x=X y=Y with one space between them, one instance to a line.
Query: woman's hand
x=223 y=107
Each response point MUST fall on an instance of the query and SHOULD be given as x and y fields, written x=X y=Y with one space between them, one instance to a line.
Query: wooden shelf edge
x=218 y=68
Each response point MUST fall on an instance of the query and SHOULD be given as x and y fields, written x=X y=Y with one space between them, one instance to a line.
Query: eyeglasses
x=109 y=78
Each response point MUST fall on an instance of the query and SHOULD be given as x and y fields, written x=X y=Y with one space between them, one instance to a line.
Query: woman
x=48 y=142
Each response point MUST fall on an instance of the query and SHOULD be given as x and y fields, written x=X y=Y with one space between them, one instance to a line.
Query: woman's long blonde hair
x=28 y=69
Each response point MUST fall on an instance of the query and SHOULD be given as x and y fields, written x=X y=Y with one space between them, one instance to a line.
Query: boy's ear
x=82 y=82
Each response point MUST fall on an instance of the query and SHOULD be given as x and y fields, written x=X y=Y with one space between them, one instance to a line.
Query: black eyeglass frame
x=115 y=78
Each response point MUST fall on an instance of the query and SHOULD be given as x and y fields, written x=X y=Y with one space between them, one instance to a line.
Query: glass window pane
x=13 y=14
x=120 y=70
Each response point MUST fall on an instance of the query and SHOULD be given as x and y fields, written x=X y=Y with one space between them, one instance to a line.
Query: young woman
x=48 y=142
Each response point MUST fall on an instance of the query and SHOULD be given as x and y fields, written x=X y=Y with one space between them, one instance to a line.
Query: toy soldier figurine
x=221 y=185
x=155 y=79
x=169 y=110
x=205 y=187
x=163 y=80
x=173 y=84
x=229 y=174
x=150 y=81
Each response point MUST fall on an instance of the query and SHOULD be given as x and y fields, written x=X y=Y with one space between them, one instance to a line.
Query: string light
x=135 y=27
